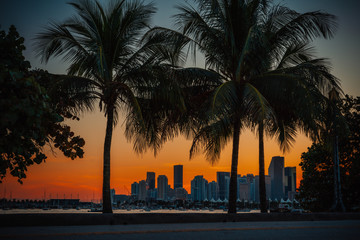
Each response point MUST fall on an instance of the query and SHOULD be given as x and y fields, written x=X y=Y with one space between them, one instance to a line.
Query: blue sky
x=29 y=16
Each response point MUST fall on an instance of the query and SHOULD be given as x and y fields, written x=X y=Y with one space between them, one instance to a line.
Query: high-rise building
x=112 y=195
x=150 y=180
x=243 y=186
x=252 y=190
x=251 y=181
x=227 y=187
x=276 y=171
x=213 y=190
x=199 y=187
x=267 y=187
x=223 y=184
x=151 y=195
x=290 y=181
x=142 y=190
x=135 y=190
x=178 y=176
x=162 y=187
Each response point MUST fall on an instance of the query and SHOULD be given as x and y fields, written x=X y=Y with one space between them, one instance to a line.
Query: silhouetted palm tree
x=294 y=82
x=335 y=126
x=108 y=65
x=242 y=49
x=295 y=93
x=226 y=33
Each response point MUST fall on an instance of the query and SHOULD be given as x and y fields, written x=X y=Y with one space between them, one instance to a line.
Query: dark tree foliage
x=30 y=118
x=316 y=188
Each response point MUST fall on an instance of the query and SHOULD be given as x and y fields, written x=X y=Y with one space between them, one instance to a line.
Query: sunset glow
x=83 y=177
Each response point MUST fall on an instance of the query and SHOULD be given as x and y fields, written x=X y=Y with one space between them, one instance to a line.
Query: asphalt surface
x=342 y=229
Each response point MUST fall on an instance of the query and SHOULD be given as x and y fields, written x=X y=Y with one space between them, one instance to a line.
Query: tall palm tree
x=226 y=33
x=231 y=36
x=335 y=124
x=107 y=62
x=296 y=101
x=296 y=74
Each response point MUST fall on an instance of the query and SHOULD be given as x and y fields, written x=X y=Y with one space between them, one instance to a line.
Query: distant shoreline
x=73 y=219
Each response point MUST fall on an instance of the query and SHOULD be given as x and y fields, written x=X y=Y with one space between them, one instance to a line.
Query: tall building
x=251 y=181
x=150 y=180
x=223 y=184
x=142 y=190
x=178 y=176
x=112 y=195
x=213 y=190
x=227 y=187
x=276 y=171
x=252 y=190
x=290 y=181
x=199 y=187
x=162 y=187
x=135 y=190
x=267 y=187
x=243 y=186
x=151 y=195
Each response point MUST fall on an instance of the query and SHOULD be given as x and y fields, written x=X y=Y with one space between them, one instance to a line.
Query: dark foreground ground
x=294 y=230
x=75 y=219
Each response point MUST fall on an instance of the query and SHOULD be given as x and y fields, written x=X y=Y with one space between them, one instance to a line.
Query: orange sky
x=60 y=176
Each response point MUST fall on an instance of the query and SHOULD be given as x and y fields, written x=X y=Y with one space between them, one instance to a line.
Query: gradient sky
x=60 y=177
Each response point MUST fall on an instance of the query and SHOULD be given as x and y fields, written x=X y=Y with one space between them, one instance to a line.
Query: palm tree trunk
x=234 y=166
x=262 y=187
x=107 y=206
x=338 y=204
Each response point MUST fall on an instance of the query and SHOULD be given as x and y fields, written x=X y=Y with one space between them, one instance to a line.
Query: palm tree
x=226 y=33
x=231 y=36
x=296 y=73
x=335 y=124
x=107 y=63
x=296 y=101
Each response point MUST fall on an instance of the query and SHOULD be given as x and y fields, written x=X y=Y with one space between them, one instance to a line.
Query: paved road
x=345 y=229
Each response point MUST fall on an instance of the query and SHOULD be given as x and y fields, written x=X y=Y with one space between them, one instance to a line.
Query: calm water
x=21 y=211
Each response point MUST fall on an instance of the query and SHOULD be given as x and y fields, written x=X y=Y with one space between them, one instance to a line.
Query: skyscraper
x=223 y=184
x=276 y=171
x=243 y=185
x=267 y=187
x=150 y=180
x=178 y=176
x=227 y=187
x=162 y=187
x=142 y=190
x=251 y=181
x=199 y=187
x=135 y=190
x=289 y=181
x=112 y=195
x=213 y=190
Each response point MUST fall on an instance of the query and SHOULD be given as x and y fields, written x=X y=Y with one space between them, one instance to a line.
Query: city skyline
x=150 y=181
x=84 y=176
x=280 y=184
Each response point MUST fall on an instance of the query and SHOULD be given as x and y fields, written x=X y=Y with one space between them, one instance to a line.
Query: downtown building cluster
x=280 y=184
x=145 y=190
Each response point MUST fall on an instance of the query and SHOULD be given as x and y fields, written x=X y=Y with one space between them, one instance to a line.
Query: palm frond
x=255 y=104
x=297 y=28
x=212 y=139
